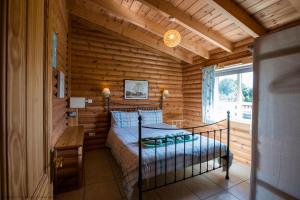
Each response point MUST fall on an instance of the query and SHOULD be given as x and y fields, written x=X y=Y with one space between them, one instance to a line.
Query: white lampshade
x=165 y=93
x=77 y=102
x=106 y=92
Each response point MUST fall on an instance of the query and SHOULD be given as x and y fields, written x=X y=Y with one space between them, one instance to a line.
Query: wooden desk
x=69 y=150
x=71 y=138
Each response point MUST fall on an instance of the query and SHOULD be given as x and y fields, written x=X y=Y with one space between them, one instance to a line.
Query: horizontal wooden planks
x=192 y=97
x=60 y=25
x=102 y=60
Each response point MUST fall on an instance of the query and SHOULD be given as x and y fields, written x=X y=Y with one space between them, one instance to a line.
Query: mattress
x=123 y=143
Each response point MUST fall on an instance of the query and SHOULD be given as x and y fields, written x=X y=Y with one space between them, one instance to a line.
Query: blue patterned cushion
x=152 y=117
x=121 y=119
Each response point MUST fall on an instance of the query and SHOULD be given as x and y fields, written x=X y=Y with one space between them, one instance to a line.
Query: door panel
x=35 y=93
x=276 y=126
x=24 y=70
x=16 y=95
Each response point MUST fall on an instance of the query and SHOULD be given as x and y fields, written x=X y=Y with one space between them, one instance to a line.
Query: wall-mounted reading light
x=106 y=92
x=106 y=95
x=165 y=94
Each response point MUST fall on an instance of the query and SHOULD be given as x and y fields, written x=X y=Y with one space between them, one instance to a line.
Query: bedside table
x=69 y=152
x=175 y=119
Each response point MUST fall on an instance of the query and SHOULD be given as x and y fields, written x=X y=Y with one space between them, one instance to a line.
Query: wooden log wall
x=104 y=60
x=192 y=97
x=59 y=23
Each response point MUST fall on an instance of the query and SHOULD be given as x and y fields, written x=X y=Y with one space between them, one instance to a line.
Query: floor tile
x=101 y=173
x=96 y=164
x=94 y=158
x=176 y=191
x=218 y=177
x=98 y=155
x=202 y=186
x=151 y=195
x=103 y=180
x=72 y=195
x=240 y=170
x=107 y=191
x=223 y=196
x=241 y=190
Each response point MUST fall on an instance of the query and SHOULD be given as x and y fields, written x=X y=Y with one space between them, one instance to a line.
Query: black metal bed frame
x=155 y=105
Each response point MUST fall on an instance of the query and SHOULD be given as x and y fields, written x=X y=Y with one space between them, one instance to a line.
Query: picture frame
x=136 y=89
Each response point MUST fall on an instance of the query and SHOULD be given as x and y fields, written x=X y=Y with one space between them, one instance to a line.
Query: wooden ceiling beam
x=126 y=31
x=296 y=4
x=240 y=17
x=190 y=23
x=150 y=26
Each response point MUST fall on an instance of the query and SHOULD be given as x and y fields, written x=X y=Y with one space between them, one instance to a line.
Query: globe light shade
x=172 y=38
x=106 y=92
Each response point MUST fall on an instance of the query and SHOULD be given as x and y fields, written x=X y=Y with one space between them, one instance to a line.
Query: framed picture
x=60 y=85
x=136 y=89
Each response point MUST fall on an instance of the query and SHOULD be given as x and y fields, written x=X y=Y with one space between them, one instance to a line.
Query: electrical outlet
x=90 y=101
x=92 y=134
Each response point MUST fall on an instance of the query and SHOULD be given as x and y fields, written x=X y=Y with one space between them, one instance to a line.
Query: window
x=234 y=92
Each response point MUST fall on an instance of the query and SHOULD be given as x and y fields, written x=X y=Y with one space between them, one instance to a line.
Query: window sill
x=240 y=125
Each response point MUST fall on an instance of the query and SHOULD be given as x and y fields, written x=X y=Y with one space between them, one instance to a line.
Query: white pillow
x=121 y=119
x=152 y=117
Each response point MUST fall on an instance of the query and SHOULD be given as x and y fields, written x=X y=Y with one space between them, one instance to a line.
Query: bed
x=155 y=154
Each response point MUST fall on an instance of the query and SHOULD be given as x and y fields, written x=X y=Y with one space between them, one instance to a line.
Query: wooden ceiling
x=204 y=25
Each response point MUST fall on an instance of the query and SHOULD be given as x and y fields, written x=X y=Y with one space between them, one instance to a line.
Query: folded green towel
x=152 y=142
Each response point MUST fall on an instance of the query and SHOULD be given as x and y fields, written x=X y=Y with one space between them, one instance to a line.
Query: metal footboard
x=217 y=154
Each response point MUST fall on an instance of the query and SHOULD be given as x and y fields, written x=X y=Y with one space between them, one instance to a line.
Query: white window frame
x=237 y=70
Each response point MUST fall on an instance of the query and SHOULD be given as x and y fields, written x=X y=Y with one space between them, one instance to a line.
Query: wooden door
x=25 y=141
x=276 y=116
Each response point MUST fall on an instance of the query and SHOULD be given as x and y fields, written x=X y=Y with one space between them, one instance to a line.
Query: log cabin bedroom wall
x=101 y=59
x=90 y=42
x=101 y=43
x=192 y=95
x=59 y=23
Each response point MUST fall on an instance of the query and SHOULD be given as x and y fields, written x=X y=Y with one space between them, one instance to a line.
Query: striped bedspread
x=123 y=143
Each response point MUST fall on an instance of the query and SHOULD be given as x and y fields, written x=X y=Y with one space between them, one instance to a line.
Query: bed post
x=107 y=101
x=228 y=141
x=140 y=184
x=161 y=102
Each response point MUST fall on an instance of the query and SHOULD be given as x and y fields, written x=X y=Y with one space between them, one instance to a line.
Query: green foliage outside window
x=228 y=90
x=247 y=93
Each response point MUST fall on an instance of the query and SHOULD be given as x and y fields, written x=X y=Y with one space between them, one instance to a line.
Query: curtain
x=208 y=83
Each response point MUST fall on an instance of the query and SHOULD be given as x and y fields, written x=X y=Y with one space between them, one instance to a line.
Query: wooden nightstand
x=69 y=157
x=174 y=119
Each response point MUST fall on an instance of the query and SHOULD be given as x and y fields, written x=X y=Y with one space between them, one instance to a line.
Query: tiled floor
x=103 y=181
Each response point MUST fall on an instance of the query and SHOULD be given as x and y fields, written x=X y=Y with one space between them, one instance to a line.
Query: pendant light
x=172 y=37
